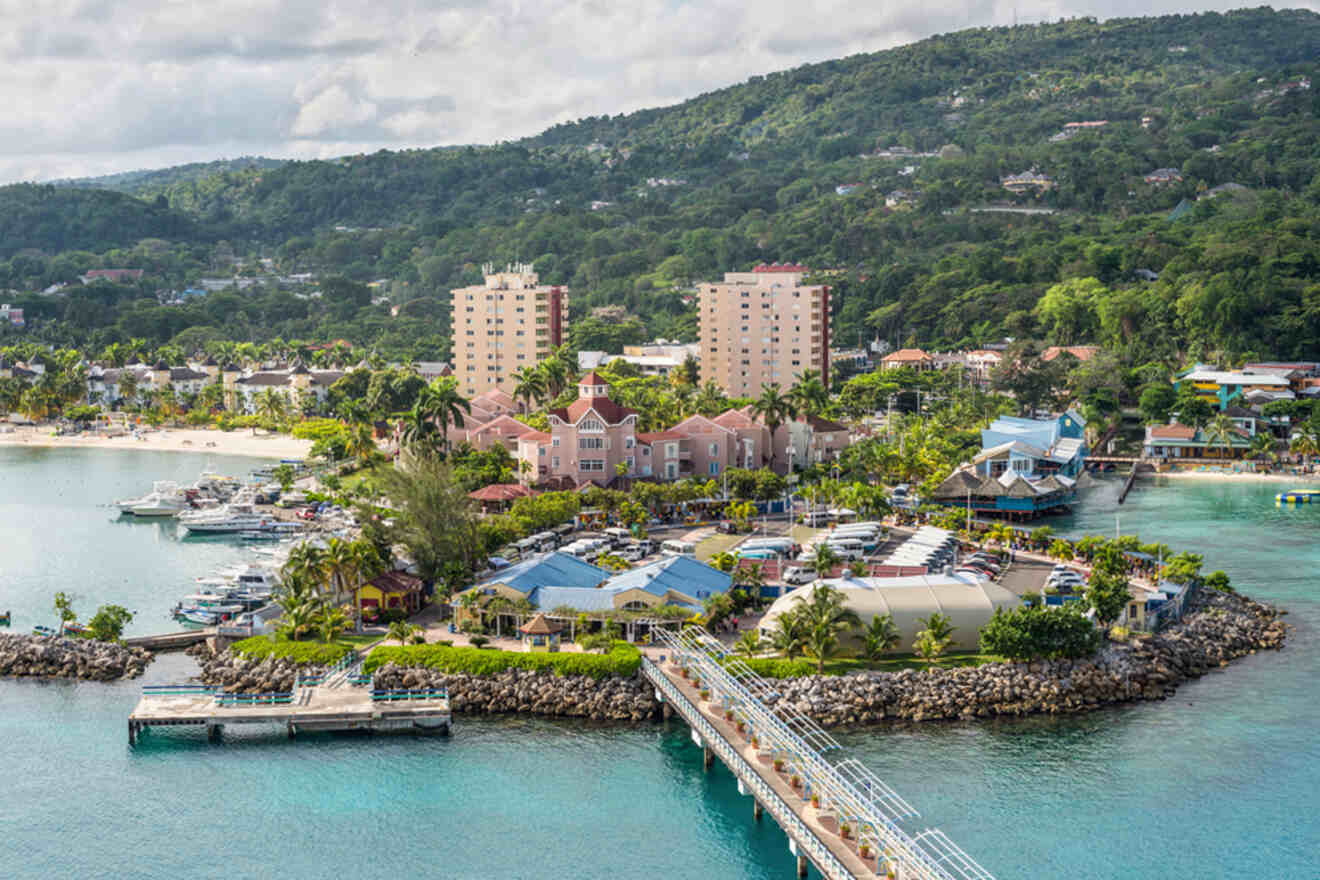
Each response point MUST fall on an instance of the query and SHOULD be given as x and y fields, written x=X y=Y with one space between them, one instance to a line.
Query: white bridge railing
x=847 y=789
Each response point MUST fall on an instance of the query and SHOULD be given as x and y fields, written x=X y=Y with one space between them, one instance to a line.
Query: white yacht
x=164 y=499
x=237 y=516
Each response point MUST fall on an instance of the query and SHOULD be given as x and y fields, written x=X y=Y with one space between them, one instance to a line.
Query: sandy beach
x=1221 y=476
x=212 y=442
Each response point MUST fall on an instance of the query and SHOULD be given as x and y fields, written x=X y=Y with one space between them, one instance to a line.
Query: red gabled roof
x=592 y=378
x=501 y=492
x=1081 y=352
x=781 y=267
x=396 y=582
x=538 y=436
x=735 y=418
x=906 y=355
x=504 y=421
x=657 y=436
x=1172 y=432
x=819 y=424
x=611 y=412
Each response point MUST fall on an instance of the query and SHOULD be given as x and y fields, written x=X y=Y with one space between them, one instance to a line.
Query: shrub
x=623 y=660
x=301 y=653
x=1051 y=633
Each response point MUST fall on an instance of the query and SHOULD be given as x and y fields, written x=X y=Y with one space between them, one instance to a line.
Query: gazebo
x=499 y=495
x=542 y=635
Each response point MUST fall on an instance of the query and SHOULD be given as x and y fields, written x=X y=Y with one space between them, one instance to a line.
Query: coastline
x=198 y=440
x=1222 y=476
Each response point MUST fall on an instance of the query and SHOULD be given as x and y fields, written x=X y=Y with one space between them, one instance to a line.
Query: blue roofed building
x=681 y=579
x=1033 y=447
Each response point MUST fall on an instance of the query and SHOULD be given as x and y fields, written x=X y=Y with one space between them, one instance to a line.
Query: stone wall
x=1219 y=629
x=52 y=657
x=240 y=674
x=535 y=693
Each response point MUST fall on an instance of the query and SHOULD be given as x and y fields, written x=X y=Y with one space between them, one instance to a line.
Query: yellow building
x=393 y=590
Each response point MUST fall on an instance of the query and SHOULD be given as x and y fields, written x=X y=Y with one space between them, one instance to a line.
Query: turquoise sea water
x=1223 y=781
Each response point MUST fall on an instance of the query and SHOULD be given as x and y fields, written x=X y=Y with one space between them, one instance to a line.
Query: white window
x=714 y=449
x=628 y=442
x=554 y=441
x=591 y=443
x=592 y=464
x=554 y=461
x=594 y=425
x=671 y=450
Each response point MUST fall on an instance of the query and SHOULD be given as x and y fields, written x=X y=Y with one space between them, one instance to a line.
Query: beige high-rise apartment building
x=511 y=321
x=763 y=327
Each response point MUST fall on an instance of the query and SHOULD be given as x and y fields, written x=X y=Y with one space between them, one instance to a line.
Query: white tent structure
x=969 y=603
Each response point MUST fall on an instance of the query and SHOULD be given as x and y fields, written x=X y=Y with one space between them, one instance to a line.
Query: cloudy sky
x=99 y=86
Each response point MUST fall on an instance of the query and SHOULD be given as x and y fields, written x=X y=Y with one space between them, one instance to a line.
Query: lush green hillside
x=148 y=182
x=629 y=210
x=53 y=219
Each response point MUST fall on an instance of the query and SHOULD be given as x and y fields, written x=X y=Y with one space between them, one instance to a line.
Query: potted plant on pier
x=756 y=742
x=864 y=851
x=683 y=671
x=779 y=764
x=796 y=781
x=705 y=693
x=728 y=714
x=742 y=725
x=815 y=802
x=845 y=830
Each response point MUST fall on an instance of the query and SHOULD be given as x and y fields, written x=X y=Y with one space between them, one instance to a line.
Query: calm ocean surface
x=1223 y=781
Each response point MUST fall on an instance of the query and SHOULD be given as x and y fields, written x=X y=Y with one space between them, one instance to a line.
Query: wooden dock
x=306 y=709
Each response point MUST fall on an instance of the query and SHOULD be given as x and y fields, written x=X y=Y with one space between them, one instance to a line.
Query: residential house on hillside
x=1033 y=447
x=116 y=275
x=1221 y=388
x=981 y=362
x=912 y=358
x=1027 y=181
x=1081 y=352
x=1163 y=176
x=295 y=384
x=11 y=315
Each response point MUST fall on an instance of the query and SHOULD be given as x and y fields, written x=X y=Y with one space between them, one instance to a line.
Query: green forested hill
x=630 y=209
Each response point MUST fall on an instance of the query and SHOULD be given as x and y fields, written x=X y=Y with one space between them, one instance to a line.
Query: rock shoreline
x=56 y=657
x=1218 y=629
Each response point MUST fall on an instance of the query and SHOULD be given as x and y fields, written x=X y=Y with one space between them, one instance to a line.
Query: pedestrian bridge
x=840 y=817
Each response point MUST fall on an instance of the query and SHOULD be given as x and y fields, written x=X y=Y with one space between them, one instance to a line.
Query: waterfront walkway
x=832 y=813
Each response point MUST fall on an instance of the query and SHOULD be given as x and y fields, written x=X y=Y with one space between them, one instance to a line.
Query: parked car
x=798 y=575
x=632 y=553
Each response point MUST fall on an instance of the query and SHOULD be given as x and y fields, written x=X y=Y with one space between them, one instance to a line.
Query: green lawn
x=716 y=543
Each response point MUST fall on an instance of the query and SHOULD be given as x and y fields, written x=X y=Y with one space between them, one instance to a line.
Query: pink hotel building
x=763 y=327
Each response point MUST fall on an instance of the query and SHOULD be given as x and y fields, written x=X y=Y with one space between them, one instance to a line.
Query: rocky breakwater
x=54 y=657
x=241 y=674
x=539 y=692
x=1219 y=629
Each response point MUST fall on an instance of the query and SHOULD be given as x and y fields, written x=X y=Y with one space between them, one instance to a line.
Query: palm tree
x=1262 y=444
x=789 y=634
x=298 y=619
x=1305 y=443
x=401 y=631
x=1061 y=550
x=824 y=618
x=360 y=442
x=442 y=402
x=881 y=637
x=1220 y=430
x=271 y=404
x=340 y=568
x=823 y=560
x=331 y=623
x=809 y=396
x=556 y=371
x=420 y=432
x=1000 y=533
x=710 y=400
x=305 y=568
x=716 y=608
x=688 y=373
x=934 y=637
x=724 y=561
x=749 y=644
x=529 y=385
x=773 y=408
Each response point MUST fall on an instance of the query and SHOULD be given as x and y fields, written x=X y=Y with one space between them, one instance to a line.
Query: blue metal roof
x=559 y=569
x=581 y=598
x=682 y=574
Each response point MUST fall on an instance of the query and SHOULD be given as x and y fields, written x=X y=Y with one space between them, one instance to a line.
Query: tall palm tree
x=1220 y=430
x=934 y=637
x=789 y=634
x=271 y=404
x=710 y=400
x=529 y=384
x=442 y=402
x=825 y=617
x=340 y=568
x=331 y=622
x=360 y=442
x=420 y=432
x=774 y=409
x=305 y=567
x=298 y=619
x=809 y=396
x=1305 y=443
x=749 y=644
x=823 y=560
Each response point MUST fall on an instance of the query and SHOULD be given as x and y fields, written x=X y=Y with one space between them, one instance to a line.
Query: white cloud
x=92 y=86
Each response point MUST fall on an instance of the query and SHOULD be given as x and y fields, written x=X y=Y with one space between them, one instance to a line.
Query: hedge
x=623 y=660
x=301 y=653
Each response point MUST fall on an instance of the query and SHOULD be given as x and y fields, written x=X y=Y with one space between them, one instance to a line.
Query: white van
x=848 y=550
x=678 y=548
x=618 y=537
x=527 y=546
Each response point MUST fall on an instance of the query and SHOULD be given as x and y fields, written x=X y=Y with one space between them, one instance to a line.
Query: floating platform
x=306 y=709
x=1298 y=496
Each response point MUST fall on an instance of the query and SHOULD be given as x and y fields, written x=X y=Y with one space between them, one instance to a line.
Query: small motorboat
x=44 y=631
x=5 y=618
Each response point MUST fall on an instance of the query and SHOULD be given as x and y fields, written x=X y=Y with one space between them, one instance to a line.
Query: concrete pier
x=312 y=709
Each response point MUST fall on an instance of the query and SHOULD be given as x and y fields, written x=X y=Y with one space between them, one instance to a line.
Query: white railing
x=806 y=840
x=856 y=795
